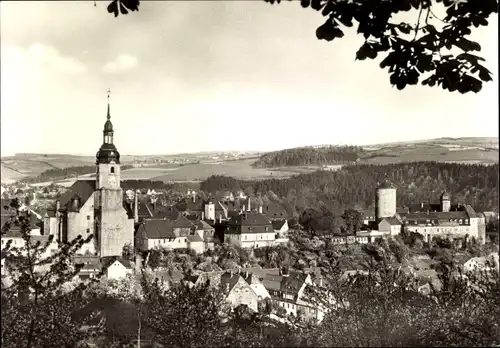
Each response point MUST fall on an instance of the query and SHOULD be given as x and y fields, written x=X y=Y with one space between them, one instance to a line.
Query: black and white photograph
x=249 y=173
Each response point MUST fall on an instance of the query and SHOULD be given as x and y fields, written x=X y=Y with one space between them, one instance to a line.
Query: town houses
x=127 y=226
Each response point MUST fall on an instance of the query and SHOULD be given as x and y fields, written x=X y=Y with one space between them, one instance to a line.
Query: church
x=95 y=207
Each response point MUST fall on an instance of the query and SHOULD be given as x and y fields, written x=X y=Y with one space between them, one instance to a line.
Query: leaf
x=123 y=9
x=467 y=45
x=328 y=31
x=113 y=7
x=415 y=3
x=484 y=74
x=405 y=28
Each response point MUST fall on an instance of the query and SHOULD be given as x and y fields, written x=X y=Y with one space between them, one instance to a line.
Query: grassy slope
x=483 y=150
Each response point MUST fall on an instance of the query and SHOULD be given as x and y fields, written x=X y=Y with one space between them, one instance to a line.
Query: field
x=463 y=150
x=241 y=169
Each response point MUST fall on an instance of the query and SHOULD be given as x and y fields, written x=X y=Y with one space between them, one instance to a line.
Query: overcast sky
x=196 y=76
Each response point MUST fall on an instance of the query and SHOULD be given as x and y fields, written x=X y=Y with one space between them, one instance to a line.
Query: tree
x=424 y=50
x=36 y=309
x=353 y=220
x=188 y=315
x=128 y=252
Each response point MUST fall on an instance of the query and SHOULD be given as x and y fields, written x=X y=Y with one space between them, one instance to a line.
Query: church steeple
x=108 y=126
x=108 y=152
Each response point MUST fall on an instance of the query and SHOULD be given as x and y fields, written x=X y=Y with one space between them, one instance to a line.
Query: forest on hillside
x=354 y=186
x=303 y=156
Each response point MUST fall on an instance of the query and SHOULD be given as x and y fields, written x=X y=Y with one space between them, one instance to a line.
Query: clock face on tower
x=112 y=181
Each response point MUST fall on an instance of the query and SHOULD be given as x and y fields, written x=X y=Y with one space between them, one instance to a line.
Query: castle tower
x=113 y=227
x=445 y=202
x=385 y=201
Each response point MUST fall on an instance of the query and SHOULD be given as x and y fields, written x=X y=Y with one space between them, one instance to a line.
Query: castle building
x=445 y=219
x=95 y=207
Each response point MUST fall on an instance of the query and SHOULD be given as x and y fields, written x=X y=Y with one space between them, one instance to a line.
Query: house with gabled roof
x=250 y=230
x=206 y=233
x=241 y=288
x=115 y=267
x=280 y=226
x=171 y=232
x=238 y=291
x=390 y=225
x=288 y=291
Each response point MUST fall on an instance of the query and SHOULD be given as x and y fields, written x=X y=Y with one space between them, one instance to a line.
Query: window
x=245 y=237
x=267 y=228
x=88 y=230
x=88 y=217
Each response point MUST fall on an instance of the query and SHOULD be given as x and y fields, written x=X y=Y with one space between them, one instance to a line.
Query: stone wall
x=82 y=223
x=115 y=228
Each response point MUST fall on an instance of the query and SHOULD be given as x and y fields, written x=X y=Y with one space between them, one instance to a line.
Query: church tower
x=113 y=227
x=108 y=158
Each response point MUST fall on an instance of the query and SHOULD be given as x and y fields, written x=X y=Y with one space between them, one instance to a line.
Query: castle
x=443 y=219
x=95 y=207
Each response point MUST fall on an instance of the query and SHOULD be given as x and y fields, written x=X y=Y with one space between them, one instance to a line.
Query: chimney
x=249 y=207
x=136 y=207
x=203 y=215
x=260 y=209
x=58 y=205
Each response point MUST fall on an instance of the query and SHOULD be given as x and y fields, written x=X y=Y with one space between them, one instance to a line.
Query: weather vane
x=109 y=92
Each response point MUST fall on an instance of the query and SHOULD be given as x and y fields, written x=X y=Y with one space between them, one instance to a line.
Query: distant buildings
x=443 y=219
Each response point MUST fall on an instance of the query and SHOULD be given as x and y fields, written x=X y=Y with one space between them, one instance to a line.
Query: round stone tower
x=385 y=201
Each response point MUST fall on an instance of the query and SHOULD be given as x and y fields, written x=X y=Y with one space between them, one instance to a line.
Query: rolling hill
x=462 y=150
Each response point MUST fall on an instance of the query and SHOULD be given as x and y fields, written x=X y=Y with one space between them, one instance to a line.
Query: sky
x=203 y=76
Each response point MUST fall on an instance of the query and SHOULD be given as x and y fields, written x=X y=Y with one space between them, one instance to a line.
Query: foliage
x=425 y=50
x=302 y=156
x=35 y=308
x=354 y=185
x=384 y=308
x=434 y=50
x=188 y=315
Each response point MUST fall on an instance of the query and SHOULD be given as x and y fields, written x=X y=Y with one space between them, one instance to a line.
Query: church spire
x=109 y=113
